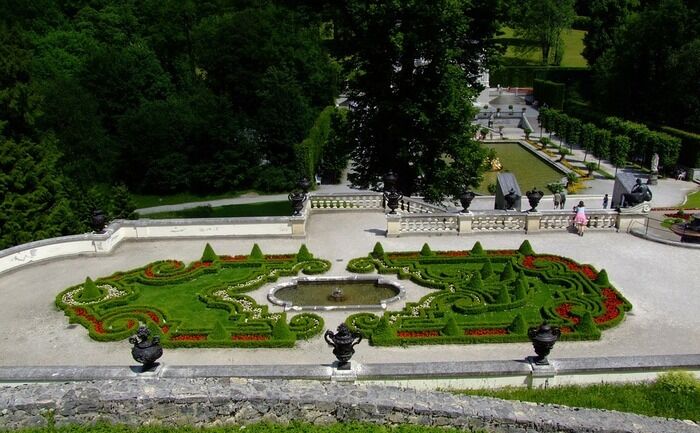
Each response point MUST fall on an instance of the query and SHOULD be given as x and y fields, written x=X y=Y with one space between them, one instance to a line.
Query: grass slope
x=573 y=47
x=270 y=208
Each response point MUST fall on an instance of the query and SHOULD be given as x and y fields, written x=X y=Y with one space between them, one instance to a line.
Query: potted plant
x=510 y=108
x=483 y=132
x=590 y=166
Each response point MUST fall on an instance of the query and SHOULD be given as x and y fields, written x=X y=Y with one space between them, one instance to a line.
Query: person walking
x=557 y=200
x=605 y=202
x=580 y=220
x=563 y=198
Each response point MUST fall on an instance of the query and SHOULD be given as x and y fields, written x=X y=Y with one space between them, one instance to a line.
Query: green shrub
x=587 y=325
x=525 y=248
x=477 y=249
x=281 y=330
x=679 y=382
x=451 y=327
x=304 y=255
x=256 y=253
x=602 y=279
x=476 y=282
x=383 y=329
x=219 y=333
x=508 y=273
x=90 y=291
x=486 y=270
x=378 y=250
x=425 y=251
x=520 y=287
x=209 y=256
x=518 y=326
x=503 y=295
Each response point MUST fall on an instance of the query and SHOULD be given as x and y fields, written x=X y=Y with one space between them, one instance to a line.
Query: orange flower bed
x=249 y=337
x=485 y=331
x=417 y=334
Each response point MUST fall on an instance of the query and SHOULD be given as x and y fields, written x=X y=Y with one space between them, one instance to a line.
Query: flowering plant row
x=489 y=296
x=195 y=305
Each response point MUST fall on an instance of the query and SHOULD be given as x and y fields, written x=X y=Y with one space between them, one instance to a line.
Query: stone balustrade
x=343 y=202
x=506 y=221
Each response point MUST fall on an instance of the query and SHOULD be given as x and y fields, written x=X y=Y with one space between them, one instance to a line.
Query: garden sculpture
x=391 y=194
x=98 y=221
x=639 y=194
x=465 y=200
x=534 y=198
x=144 y=351
x=343 y=343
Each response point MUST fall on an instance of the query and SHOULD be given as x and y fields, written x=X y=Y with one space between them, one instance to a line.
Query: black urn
x=144 y=351
x=465 y=199
x=510 y=199
x=543 y=339
x=390 y=180
x=534 y=198
x=304 y=184
x=98 y=221
x=297 y=200
x=392 y=200
x=343 y=343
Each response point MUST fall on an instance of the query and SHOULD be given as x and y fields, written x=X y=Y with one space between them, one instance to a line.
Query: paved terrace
x=660 y=281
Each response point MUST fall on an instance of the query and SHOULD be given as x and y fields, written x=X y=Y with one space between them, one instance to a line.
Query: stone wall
x=214 y=401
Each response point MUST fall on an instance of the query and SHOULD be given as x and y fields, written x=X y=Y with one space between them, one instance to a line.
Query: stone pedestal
x=653 y=178
x=542 y=376
x=465 y=223
x=298 y=226
x=624 y=182
x=393 y=225
x=532 y=222
x=504 y=183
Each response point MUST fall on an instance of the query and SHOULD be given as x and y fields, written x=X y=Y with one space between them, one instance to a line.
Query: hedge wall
x=308 y=152
x=690 y=146
x=550 y=93
x=524 y=76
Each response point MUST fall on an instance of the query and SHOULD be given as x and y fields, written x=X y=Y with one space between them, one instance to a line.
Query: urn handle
x=359 y=339
x=327 y=335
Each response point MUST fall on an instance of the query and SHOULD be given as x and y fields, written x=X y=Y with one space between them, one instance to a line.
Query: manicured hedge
x=200 y=305
x=488 y=296
x=550 y=93
x=308 y=152
x=524 y=76
x=690 y=146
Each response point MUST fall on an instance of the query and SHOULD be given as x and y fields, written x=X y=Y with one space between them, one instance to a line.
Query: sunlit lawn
x=528 y=169
x=573 y=47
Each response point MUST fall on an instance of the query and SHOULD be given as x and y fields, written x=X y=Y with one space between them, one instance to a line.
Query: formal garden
x=196 y=305
x=479 y=296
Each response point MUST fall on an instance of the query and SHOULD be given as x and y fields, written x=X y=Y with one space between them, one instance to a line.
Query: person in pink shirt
x=580 y=220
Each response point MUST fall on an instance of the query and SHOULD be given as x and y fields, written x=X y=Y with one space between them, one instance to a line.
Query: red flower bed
x=233 y=258
x=394 y=256
x=501 y=252
x=130 y=324
x=176 y=264
x=90 y=318
x=566 y=330
x=611 y=304
x=249 y=337
x=417 y=334
x=485 y=331
x=198 y=265
x=454 y=254
x=280 y=256
x=164 y=329
x=564 y=310
x=150 y=314
x=529 y=262
x=684 y=216
x=149 y=272
x=189 y=337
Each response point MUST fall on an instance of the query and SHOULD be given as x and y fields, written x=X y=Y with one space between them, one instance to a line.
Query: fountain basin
x=360 y=292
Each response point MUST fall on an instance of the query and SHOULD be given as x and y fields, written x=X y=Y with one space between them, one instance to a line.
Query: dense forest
x=153 y=96
x=100 y=99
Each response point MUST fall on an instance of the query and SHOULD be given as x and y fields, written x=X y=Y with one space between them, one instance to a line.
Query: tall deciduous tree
x=544 y=21
x=412 y=71
x=605 y=18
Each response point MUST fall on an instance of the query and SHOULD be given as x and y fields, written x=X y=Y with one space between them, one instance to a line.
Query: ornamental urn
x=144 y=351
x=390 y=180
x=543 y=339
x=392 y=200
x=304 y=184
x=343 y=343
x=534 y=198
x=297 y=200
x=98 y=221
x=465 y=199
x=510 y=199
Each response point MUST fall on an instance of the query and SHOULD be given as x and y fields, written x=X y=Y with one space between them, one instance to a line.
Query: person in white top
x=580 y=220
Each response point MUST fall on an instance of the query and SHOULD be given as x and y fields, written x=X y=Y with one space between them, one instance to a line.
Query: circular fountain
x=357 y=292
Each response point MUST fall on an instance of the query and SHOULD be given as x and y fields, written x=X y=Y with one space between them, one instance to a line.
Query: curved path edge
x=202 y=402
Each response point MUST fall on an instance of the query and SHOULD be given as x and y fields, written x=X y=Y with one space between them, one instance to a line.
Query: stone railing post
x=393 y=225
x=532 y=222
x=465 y=223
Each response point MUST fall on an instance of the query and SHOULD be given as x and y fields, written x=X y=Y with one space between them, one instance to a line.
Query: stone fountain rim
x=378 y=279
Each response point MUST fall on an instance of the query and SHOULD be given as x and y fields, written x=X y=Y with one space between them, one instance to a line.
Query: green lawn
x=528 y=169
x=693 y=201
x=573 y=47
x=270 y=208
x=144 y=201
x=672 y=396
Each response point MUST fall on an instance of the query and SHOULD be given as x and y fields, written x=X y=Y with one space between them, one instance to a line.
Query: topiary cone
x=486 y=270
x=518 y=325
x=451 y=328
x=508 y=273
x=209 y=255
x=281 y=329
x=526 y=249
x=90 y=291
x=602 y=279
x=256 y=253
x=477 y=249
x=378 y=250
x=426 y=251
x=219 y=333
x=304 y=255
